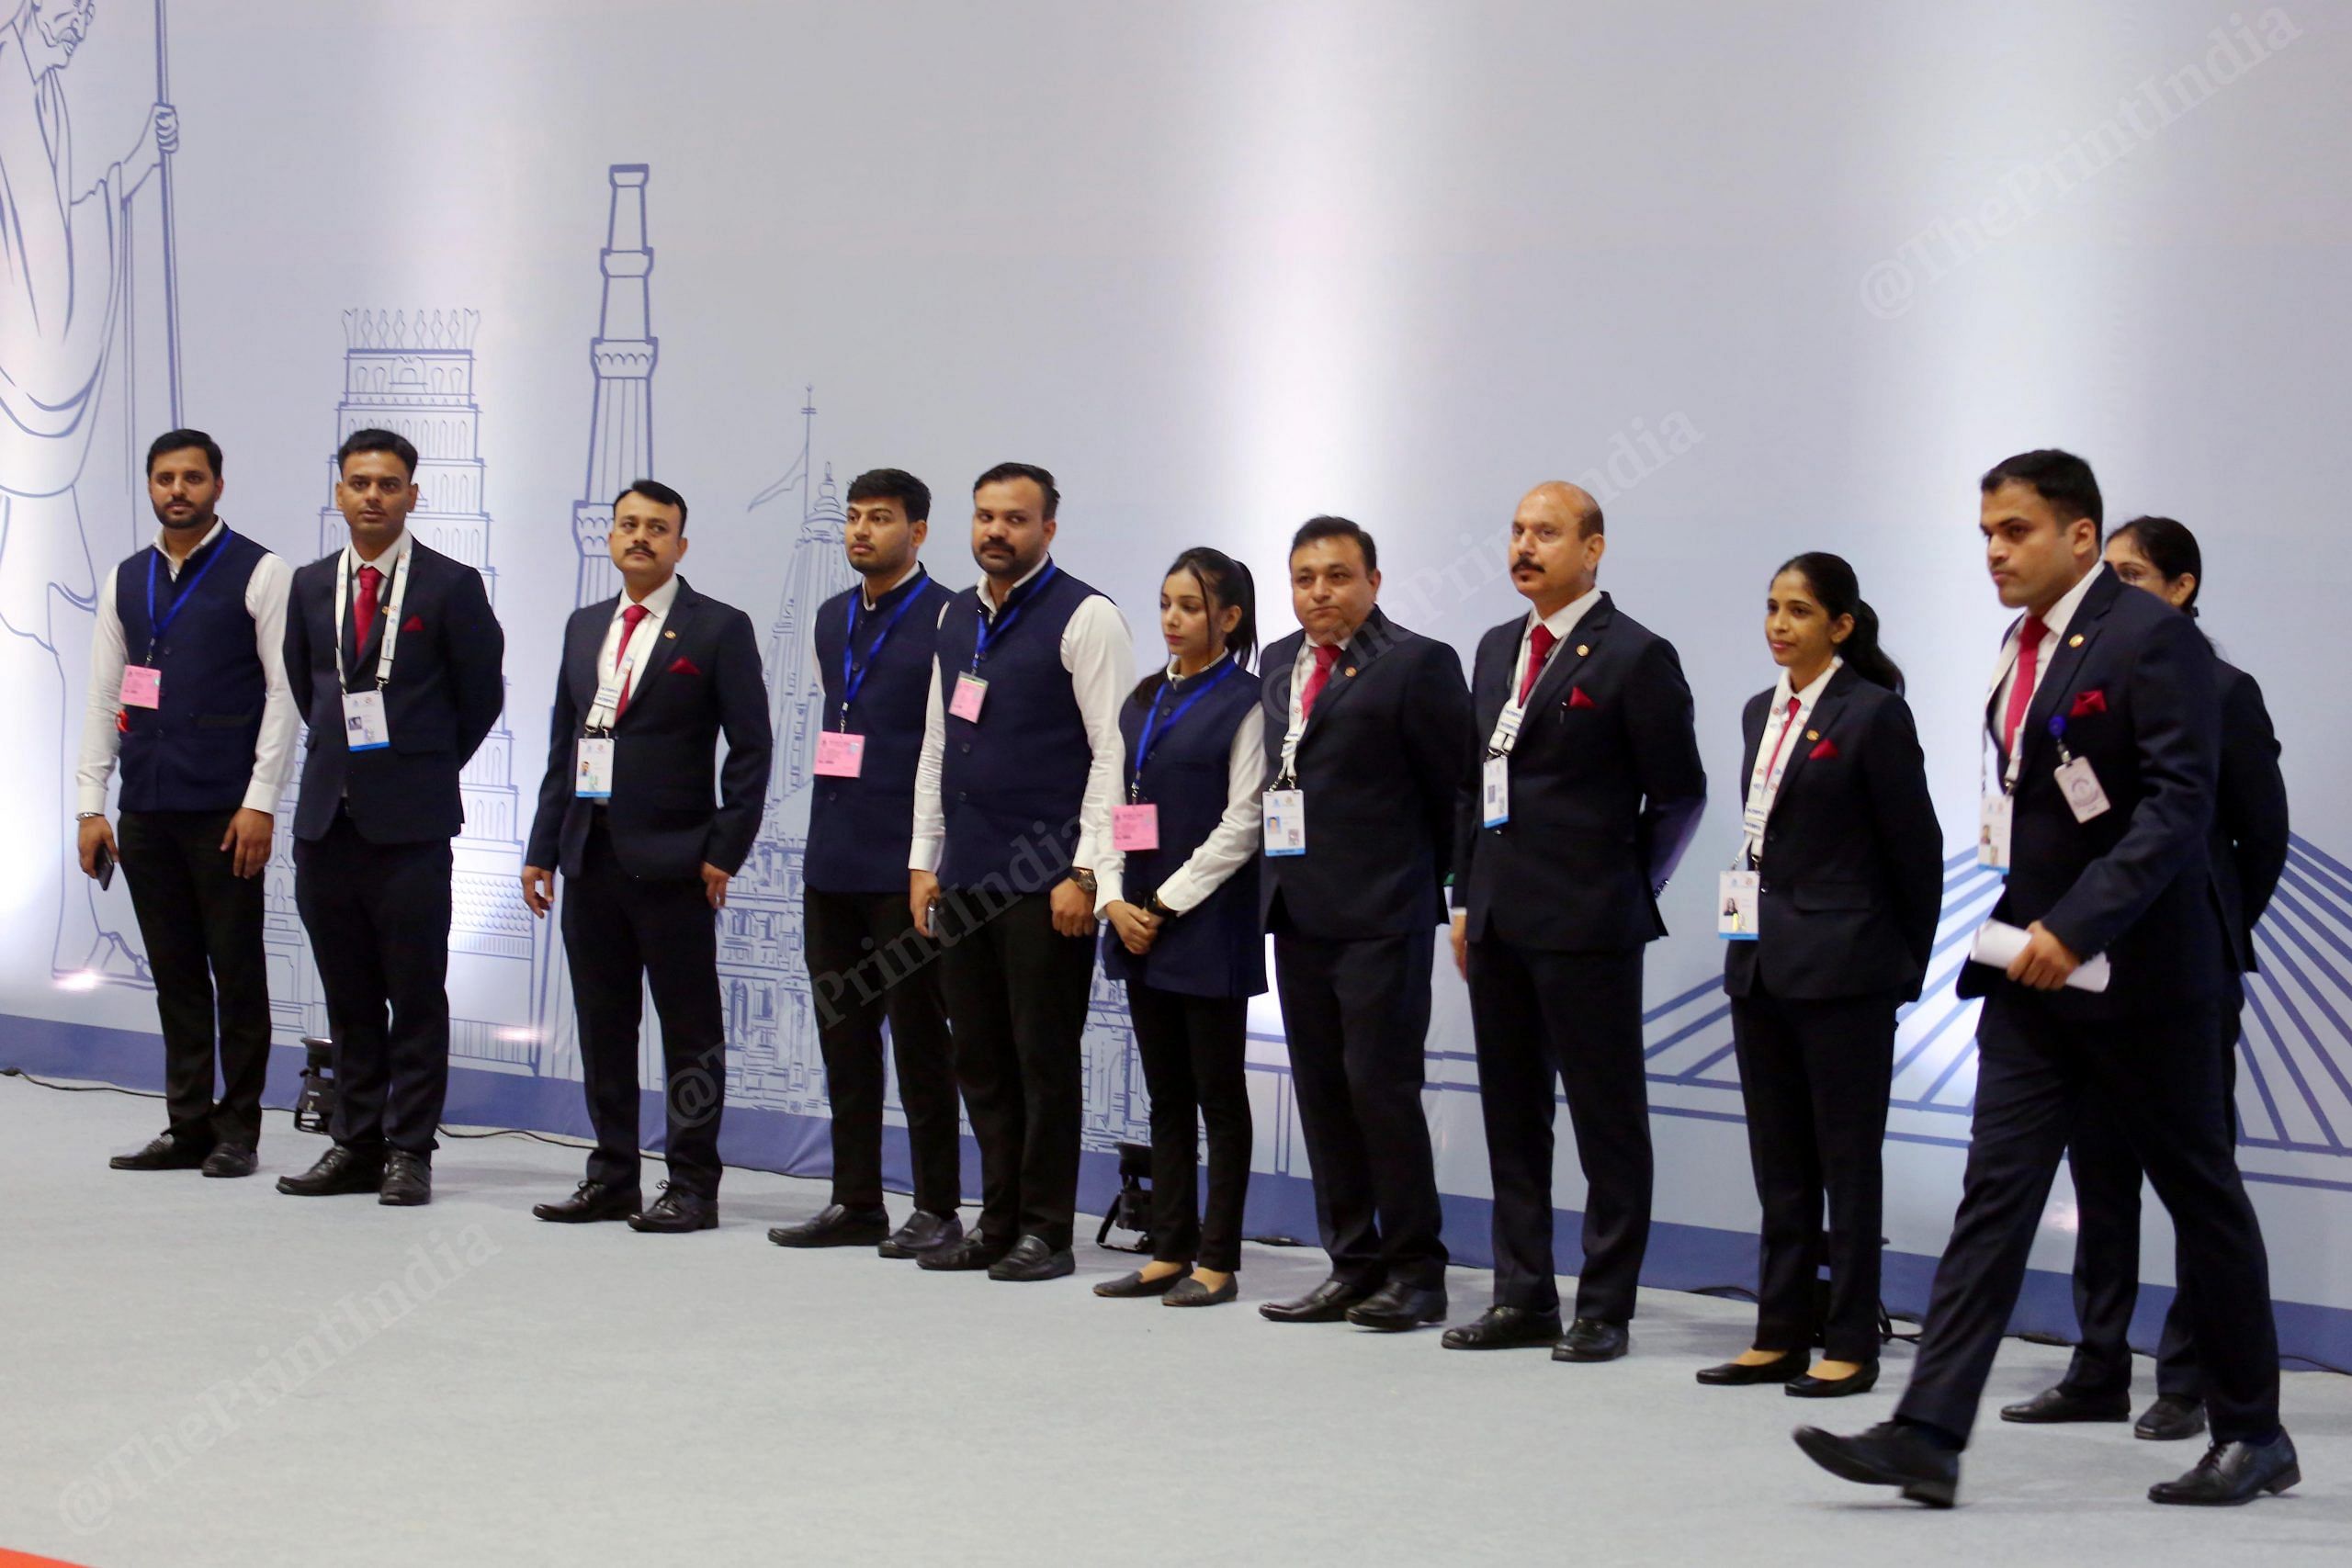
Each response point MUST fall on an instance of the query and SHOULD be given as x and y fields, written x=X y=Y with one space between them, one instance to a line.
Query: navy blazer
x=1606 y=789
x=706 y=681
x=1381 y=762
x=2249 y=847
x=447 y=688
x=1851 y=871
x=2133 y=681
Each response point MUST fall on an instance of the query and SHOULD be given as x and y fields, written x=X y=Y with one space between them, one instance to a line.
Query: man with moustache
x=1590 y=788
x=187 y=689
x=650 y=679
x=2106 y=737
x=1020 y=769
x=874 y=645
x=1368 y=731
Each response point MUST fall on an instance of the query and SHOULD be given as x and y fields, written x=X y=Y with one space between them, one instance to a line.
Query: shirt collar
x=394 y=556
x=1813 y=690
x=171 y=566
x=1209 y=669
x=987 y=587
x=2062 y=614
x=657 y=603
x=913 y=573
x=1564 y=620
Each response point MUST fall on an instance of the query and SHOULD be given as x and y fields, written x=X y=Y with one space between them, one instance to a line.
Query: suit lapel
x=1371 y=640
x=1818 y=723
x=581 y=656
x=1568 y=657
x=655 y=661
x=2066 y=658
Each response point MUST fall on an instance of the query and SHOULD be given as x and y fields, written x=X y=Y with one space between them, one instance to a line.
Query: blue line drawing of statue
x=68 y=309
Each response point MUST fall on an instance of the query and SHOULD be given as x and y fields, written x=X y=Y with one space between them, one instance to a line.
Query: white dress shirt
x=1232 y=843
x=392 y=561
x=1774 y=750
x=641 y=645
x=265 y=594
x=1100 y=655
x=2005 y=675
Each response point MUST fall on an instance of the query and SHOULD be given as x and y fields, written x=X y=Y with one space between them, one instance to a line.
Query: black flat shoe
x=923 y=1233
x=1889 y=1454
x=2171 y=1419
x=339 y=1170
x=592 y=1201
x=1397 y=1306
x=974 y=1253
x=2231 y=1474
x=1589 y=1340
x=2053 y=1406
x=228 y=1161
x=1505 y=1329
x=1735 y=1375
x=834 y=1225
x=408 y=1181
x=676 y=1213
x=1190 y=1292
x=1032 y=1259
x=1130 y=1285
x=166 y=1151
x=1326 y=1302
x=1811 y=1387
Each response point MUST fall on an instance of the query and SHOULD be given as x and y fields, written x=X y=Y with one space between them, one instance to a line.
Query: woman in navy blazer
x=1182 y=921
x=1842 y=839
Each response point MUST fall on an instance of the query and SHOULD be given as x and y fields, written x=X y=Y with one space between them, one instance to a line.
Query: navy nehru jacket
x=859 y=829
x=195 y=750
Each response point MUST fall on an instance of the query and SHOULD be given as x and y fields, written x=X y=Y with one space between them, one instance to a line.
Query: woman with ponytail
x=1830 y=909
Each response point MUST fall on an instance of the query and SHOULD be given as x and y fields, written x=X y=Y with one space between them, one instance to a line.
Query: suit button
x=1763 y=887
x=964 y=745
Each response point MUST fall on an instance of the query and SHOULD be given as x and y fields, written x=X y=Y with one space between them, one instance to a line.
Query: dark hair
x=1042 y=478
x=2062 y=480
x=2171 y=549
x=376 y=441
x=1329 y=527
x=179 y=440
x=1225 y=583
x=1833 y=582
x=658 y=493
x=912 y=495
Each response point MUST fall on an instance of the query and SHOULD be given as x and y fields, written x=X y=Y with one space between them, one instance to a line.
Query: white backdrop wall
x=1766 y=277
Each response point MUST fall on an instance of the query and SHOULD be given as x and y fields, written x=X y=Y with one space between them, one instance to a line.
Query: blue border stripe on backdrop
x=1682 y=1258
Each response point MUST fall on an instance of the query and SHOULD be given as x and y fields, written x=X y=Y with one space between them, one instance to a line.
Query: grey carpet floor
x=201 y=1373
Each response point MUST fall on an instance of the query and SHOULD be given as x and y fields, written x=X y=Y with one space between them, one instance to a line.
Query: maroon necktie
x=1539 y=648
x=363 y=609
x=1316 y=679
x=2029 y=638
x=629 y=617
x=1786 y=726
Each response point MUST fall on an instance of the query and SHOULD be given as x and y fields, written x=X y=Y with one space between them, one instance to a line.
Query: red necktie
x=1787 y=724
x=1539 y=648
x=1316 y=679
x=363 y=611
x=629 y=617
x=2029 y=638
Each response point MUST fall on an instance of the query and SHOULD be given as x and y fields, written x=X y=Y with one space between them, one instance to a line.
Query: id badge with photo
x=839 y=755
x=1495 y=792
x=970 y=691
x=2081 y=787
x=1134 y=828
x=365 y=728
x=142 y=686
x=1285 y=821
x=593 y=777
x=1993 y=832
x=1738 y=906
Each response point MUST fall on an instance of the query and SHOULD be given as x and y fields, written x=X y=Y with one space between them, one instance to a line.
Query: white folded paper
x=1998 y=944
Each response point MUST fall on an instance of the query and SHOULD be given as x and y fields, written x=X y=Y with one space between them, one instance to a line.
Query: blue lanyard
x=989 y=631
x=854 y=674
x=1152 y=725
x=155 y=628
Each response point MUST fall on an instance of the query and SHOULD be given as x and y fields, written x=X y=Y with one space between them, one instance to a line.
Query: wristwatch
x=1157 y=908
x=1084 y=879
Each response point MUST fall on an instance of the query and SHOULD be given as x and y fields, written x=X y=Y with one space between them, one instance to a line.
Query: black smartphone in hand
x=105 y=863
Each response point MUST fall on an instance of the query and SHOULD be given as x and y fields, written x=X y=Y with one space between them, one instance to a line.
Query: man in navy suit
x=1367 y=733
x=1588 y=789
x=2106 y=736
x=652 y=678
x=393 y=657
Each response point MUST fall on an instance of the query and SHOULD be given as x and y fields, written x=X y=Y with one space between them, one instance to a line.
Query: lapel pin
x=2075 y=641
x=1351 y=669
x=1583 y=648
x=669 y=633
x=1812 y=735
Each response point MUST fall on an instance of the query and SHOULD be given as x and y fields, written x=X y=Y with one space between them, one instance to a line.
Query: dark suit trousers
x=379 y=919
x=1814 y=1076
x=1358 y=1014
x=202 y=928
x=2158 y=1076
x=866 y=962
x=1572 y=1018
x=1017 y=991
x=621 y=935
x=1194 y=1050
x=2106 y=1251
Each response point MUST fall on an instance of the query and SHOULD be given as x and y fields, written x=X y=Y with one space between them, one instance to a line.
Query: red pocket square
x=681 y=665
x=1823 y=751
x=413 y=623
x=1577 y=699
x=2086 y=703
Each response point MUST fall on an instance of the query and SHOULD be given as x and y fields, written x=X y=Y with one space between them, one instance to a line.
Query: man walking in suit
x=650 y=679
x=187 y=684
x=874 y=647
x=1368 y=731
x=1588 y=791
x=2103 y=721
x=394 y=656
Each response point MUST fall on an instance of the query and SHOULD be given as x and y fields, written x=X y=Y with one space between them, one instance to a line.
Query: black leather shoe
x=2052 y=1406
x=973 y=1253
x=834 y=1225
x=1190 y=1292
x=1889 y=1454
x=229 y=1160
x=1734 y=1374
x=408 y=1181
x=1397 y=1306
x=166 y=1151
x=1504 y=1328
x=1326 y=1302
x=1811 y=1387
x=1589 y=1340
x=2231 y=1473
x=1031 y=1260
x=2172 y=1418
x=923 y=1233
x=677 y=1212
x=339 y=1170
x=590 y=1202
x=1128 y=1286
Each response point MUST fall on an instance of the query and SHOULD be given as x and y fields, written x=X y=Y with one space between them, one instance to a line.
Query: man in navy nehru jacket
x=650 y=679
x=874 y=645
x=188 y=683
x=394 y=658
x=1021 y=761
